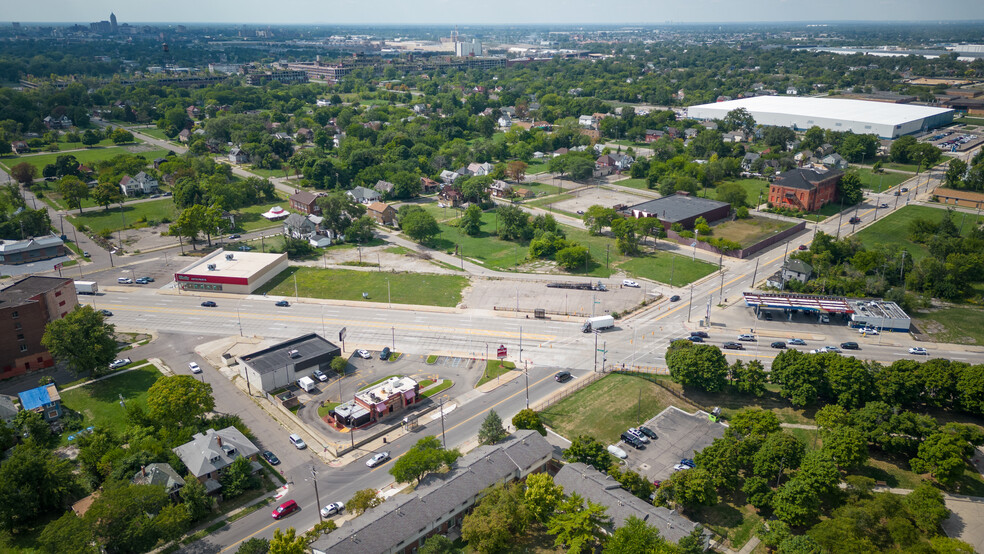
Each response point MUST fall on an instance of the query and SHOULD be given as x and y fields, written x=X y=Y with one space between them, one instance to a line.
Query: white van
x=124 y=280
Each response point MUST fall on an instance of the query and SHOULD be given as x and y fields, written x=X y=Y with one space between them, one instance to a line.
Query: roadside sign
x=501 y=351
x=341 y=334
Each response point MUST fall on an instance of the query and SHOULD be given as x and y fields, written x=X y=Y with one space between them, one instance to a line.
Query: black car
x=768 y=316
x=701 y=334
x=385 y=354
x=271 y=458
x=209 y=304
x=850 y=346
x=903 y=189
x=562 y=376
x=695 y=338
x=778 y=344
x=282 y=304
x=632 y=441
x=733 y=346
x=106 y=313
x=674 y=298
x=648 y=432
x=854 y=220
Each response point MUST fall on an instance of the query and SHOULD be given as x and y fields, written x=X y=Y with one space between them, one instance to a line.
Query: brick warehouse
x=26 y=307
x=804 y=189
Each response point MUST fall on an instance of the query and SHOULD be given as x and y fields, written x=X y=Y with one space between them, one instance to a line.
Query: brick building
x=26 y=307
x=804 y=189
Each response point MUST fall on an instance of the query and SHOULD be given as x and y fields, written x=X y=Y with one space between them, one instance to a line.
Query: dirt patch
x=750 y=231
x=587 y=197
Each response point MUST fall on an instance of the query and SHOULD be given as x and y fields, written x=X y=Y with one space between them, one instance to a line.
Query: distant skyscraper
x=112 y=21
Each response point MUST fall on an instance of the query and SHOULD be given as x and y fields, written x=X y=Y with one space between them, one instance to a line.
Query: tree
x=739 y=118
x=529 y=419
x=572 y=257
x=690 y=488
x=750 y=378
x=338 y=209
x=107 y=193
x=119 y=516
x=516 y=170
x=339 y=365
x=514 y=223
x=941 y=455
x=847 y=446
x=82 y=340
x=419 y=226
x=471 y=221
x=33 y=481
x=799 y=544
x=121 y=136
x=926 y=507
x=849 y=188
x=586 y=449
x=900 y=148
x=361 y=230
x=580 y=168
x=700 y=366
x=179 y=400
x=491 y=431
x=497 y=519
x=578 y=526
x=195 y=498
x=819 y=471
x=694 y=542
x=598 y=217
x=780 y=452
x=287 y=542
x=542 y=496
x=24 y=173
x=955 y=173
x=31 y=424
x=254 y=546
x=90 y=138
x=363 y=500
x=733 y=194
x=424 y=457
x=777 y=137
x=438 y=544
x=68 y=534
x=636 y=536
x=238 y=478
x=796 y=503
x=73 y=191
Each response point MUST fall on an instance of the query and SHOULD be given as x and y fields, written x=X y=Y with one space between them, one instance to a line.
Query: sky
x=466 y=12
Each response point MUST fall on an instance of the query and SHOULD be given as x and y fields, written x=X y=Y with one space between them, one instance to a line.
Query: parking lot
x=680 y=436
x=585 y=198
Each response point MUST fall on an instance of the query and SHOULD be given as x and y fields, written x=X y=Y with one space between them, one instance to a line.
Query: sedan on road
x=378 y=459
x=796 y=342
x=630 y=283
x=209 y=304
x=854 y=220
x=297 y=441
x=106 y=313
x=674 y=298
x=332 y=509
x=919 y=350
x=271 y=458
x=562 y=376
x=701 y=334
x=850 y=346
x=733 y=346
x=695 y=338
x=233 y=236
x=285 y=509
x=778 y=344
x=883 y=205
x=194 y=367
x=365 y=354
x=282 y=303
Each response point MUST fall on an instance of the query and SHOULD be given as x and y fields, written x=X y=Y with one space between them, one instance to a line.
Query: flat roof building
x=235 y=272
x=859 y=116
x=881 y=315
x=15 y=252
x=679 y=208
x=288 y=361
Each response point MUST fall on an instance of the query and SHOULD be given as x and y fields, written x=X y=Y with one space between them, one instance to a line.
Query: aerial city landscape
x=544 y=278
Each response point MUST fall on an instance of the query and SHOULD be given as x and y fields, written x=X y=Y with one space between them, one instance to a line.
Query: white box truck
x=86 y=287
x=599 y=323
x=306 y=383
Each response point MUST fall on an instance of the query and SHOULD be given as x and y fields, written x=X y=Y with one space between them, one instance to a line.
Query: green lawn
x=535 y=168
x=493 y=369
x=665 y=267
x=957 y=324
x=970 y=121
x=135 y=215
x=880 y=181
x=541 y=189
x=154 y=132
x=634 y=183
x=268 y=173
x=99 y=402
x=607 y=407
x=486 y=248
x=731 y=518
x=83 y=156
x=753 y=188
x=346 y=284
x=65 y=145
x=443 y=386
x=893 y=229
x=249 y=219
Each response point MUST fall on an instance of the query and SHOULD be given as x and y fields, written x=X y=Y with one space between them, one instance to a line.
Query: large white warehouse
x=859 y=116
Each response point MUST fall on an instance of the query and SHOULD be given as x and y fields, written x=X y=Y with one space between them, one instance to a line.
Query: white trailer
x=86 y=287
x=599 y=323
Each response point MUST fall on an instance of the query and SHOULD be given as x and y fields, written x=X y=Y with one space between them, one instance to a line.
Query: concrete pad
x=965 y=522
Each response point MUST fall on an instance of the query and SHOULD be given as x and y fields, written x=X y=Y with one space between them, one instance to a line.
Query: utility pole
x=526 y=372
x=520 y=344
x=755 y=273
x=314 y=477
x=444 y=441
x=690 y=305
x=596 y=352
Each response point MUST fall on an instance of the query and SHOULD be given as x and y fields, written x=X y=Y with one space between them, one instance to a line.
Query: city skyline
x=515 y=12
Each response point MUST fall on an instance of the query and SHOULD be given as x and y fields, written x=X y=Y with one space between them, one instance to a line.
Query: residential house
x=305 y=202
x=538 y=155
x=210 y=453
x=452 y=196
x=834 y=161
x=15 y=252
x=322 y=102
x=363 y=195
x=652 y=135
x=184 y=135
x=383 y=213
x=419 y=109
x=428 y=185
x=505 y=121
x=622 y=161
x=160 y=474
x=749 y=160
x=385 y=188
x=305 y=134
x=824 y=150
x=8 y=410
x=441 y=500
x=481 y=169
x=689 y=133
x=238 y=156
x=300 y=227
x=734 y=136
x=796 y=270
x=804 y=189
x=141 y=183
x=587 y=121
x=501 y=189
x=283 y=136
x=508 y=110
x=449 y=177
x=62 y=122
x=599 y=488
x=20 y=147
x=193 y=112
x=158 y=162
x=605 y=161
x=791 y=91
x=560 y=152
x=524 y=193
x=44 y=400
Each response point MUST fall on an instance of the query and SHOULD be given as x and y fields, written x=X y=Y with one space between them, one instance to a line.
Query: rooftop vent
x=230 y=256
x=211 y=267
x=293 y=354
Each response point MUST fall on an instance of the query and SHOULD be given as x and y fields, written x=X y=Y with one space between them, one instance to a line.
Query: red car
x=285 y=509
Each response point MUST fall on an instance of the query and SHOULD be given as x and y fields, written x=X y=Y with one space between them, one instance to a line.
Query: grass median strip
x=493 y=369
x=447 y=384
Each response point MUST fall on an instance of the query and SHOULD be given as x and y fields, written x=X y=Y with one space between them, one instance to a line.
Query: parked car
x=688 y=462
x=106 y=313
x=617 y=452
x=124 y=281
x=320 y=375
x=674 y=298
x=282 y=303
x=778 y=344
x=209 y=304
x=245 y=248
x=701 y=334
x=919 y=350
x=364 y=354
x=85 y=254
x=638 y=434
x=332 y=509
x=271 y=458
x=850 y=346
x=649 y=433
x=378 y=459
x=695 y=338
x=803 y=247
x=285 y=509
x=630 y=283
x=141 y=281
x=796 y=342
x=768 y=316
x=680 y=467
x=148 y=279
x=194 y=367
x=297 y=441
x=868 y=331
x=632 y=441
x=116 y=364
x=385 y=354
x=746 y=337
x=733 y=346
x=562 y=376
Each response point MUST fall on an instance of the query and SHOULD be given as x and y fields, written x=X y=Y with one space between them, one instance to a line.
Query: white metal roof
x=882 y=113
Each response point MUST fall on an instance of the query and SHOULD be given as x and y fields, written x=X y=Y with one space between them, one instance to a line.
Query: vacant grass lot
x=750 y=231
x=87 y=157
x=894 y=229
x=608 y=407
x=345 y=284
x=134 y=216
x=268 y=173
x=753 y=188
x=249 y=219
x=99 y=402
x=634 y=183
x=880 y=181
x=535 y=168
x=672 y=269
x=957 y=324
x=485 y=247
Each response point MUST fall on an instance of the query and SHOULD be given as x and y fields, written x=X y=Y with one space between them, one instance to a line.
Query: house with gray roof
x=286 y=362
x=141 y=183
x=7 y=408
x=210 y=453
x=299 y=227
x=400 y=525
x=384 y=187
x=160 y=474
x=364 y=195
x=602 y=489
x=238 y=156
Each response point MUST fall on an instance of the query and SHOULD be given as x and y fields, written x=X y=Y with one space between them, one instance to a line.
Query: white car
x=799 y=342
x=320 y=375
x=297 y=441
x=832 y=349
x=378 y=459
x=617 y=452
x=194 y=367
x=364 y=354
x=119 y=363
x=630 y=283
x=332 y=509
x=680 y=467
x=638 y=434
x=868 y=331
x=919 y=350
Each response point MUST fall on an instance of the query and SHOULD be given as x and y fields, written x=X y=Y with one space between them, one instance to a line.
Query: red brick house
x=804 y=189
x=305 y=202
x=381 y=212
x=429 y=185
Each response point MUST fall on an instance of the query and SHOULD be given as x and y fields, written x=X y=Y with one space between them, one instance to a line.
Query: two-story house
x=141 y=183
x=210 y=453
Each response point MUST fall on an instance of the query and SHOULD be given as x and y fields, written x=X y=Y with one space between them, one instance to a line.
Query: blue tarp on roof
x=35 y=398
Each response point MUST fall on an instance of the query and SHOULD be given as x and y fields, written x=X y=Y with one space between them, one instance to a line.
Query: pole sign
x=501 y=351
x=341 y=334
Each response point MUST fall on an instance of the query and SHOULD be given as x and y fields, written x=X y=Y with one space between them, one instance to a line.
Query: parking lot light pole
x=317 y=497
